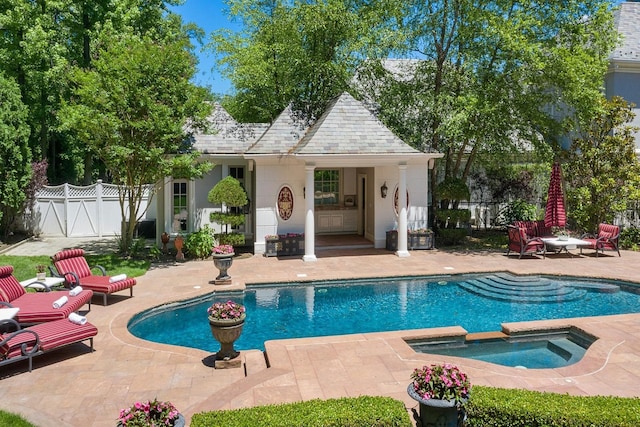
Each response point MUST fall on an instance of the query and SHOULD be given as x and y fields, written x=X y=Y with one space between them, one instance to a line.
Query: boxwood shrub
x=345 y=412
x=493 y=407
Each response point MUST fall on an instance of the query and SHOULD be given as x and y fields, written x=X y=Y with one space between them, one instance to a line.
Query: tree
x=603 y=171
x=490 y=76
x=15 y=170
x=296 y=52
x=132 y=110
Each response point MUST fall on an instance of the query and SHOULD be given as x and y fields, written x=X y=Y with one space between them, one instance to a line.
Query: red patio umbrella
x=555 y=214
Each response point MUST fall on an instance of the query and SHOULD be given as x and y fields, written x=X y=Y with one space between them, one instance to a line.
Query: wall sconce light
x=383 y=190
x=304 y=192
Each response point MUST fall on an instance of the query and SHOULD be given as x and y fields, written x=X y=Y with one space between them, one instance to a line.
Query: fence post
x=99 y=206
x=66 y=209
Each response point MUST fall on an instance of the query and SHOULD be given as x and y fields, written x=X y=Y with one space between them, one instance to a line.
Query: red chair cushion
x=52 y=335
x=71 y=260
x=10 y=288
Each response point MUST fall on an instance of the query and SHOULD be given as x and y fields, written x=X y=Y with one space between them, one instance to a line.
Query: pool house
x=346 y=174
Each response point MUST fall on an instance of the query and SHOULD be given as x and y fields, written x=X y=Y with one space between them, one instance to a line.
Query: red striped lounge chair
x=37 y=307
x=606 y=239
x=72 y=265
x=25 y=344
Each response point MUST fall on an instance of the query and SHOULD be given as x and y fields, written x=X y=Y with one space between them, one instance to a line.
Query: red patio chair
x=518 y=242
x=606 y=239
x=25 y=344
x=37 y=307
x=72 y=265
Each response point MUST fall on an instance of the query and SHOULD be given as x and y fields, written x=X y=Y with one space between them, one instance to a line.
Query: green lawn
x=25 y=266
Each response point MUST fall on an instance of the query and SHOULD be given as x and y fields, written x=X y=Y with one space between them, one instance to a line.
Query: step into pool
x=536 y=350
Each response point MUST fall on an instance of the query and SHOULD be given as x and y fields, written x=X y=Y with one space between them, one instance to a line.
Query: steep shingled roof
x=346 y=127
x=627 y=22
x=229 y=137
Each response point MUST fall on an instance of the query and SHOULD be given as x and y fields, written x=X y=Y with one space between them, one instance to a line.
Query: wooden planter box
x=392 y=240
x=273 y=246
x=417 y=240
x=292 y=246
x=285 y=246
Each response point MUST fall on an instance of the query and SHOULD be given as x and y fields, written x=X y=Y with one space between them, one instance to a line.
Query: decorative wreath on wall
x=396 y=197
x=285 y=202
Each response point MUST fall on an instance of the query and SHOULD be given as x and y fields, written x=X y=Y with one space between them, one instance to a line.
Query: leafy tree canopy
x=14 y=151
x=603 y=171
x=132 y=108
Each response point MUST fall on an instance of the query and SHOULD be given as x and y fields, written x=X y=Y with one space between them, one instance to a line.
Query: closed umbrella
x=554 y=213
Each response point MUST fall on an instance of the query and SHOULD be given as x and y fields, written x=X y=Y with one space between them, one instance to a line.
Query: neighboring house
x=324 y=179
x=623 y=76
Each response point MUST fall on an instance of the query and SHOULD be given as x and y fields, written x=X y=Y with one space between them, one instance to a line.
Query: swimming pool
x=478 y=303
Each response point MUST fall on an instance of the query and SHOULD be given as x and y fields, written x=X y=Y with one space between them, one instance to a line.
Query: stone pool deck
x=73 y=387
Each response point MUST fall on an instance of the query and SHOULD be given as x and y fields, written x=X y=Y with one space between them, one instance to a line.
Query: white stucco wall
x=417 y=212
x=270 y=177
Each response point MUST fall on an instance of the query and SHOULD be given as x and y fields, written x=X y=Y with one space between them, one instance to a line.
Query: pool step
x=530 y=289
x=254 y=362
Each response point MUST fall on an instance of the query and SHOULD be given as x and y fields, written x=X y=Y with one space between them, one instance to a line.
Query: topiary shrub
x=229 y=193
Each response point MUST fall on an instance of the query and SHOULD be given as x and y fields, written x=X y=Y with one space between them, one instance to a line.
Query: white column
x=168 y=205
x=402 y=212
x=309 y=220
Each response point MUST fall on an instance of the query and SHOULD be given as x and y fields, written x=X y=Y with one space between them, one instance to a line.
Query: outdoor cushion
x=519 y=242
x=606 y=239
x=72 y=265
x=36 y=340
x=37 y=307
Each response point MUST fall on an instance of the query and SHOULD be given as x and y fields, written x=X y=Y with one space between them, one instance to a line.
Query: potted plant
x=41 y=272
x=226 y=320
x=442 y=391
x=151 y=413
x=222 y=258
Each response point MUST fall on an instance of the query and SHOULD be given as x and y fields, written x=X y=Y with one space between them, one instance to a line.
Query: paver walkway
x=76 y=388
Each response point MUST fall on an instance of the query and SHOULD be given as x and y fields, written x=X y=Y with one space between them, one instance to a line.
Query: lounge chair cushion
x=73 y=261
x=37 y=307
x=25 y=344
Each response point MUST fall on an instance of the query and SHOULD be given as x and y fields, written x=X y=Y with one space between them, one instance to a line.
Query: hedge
x=344 y=412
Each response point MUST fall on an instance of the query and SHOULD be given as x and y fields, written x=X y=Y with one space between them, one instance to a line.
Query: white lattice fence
x=72 y=211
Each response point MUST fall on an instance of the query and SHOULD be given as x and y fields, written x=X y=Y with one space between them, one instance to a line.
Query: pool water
x=540 y=350
x=477 y=303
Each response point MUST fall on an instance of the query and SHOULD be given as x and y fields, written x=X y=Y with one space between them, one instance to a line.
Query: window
x=326 y=187
x=180 y=208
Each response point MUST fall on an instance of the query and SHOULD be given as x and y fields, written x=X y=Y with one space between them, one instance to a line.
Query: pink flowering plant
x=229 y=310
x=444 y=382
x=222 y=249
x=149 y=413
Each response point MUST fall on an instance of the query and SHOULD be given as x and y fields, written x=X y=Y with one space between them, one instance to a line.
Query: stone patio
x=73 y=387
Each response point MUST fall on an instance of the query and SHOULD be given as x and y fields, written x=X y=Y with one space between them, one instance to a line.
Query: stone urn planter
x=437 y=412
x=441 y=390
x=223 y=262
x=226 y=320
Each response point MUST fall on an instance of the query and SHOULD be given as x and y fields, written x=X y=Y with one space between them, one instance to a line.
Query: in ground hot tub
x=533 y=350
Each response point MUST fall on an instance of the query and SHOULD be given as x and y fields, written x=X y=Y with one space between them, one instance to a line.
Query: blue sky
x=208 y=15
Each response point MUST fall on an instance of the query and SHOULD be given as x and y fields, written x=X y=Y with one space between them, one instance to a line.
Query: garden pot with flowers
x=151 y=413
x=222 y=258
x=442 y=391
x=226 y=320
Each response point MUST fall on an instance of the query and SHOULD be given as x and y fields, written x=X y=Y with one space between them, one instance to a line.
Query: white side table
x=8 y=313
x=49 y=281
